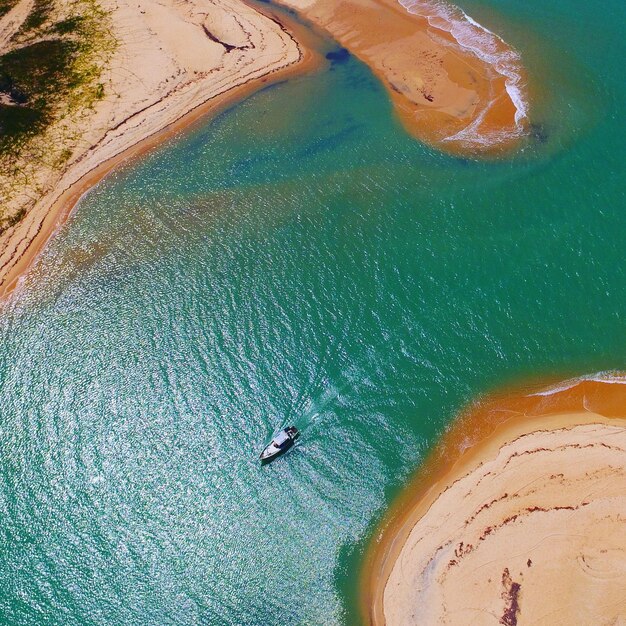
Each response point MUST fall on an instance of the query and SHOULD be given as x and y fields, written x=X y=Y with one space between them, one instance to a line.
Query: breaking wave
x=486 y=46
x=609 y=378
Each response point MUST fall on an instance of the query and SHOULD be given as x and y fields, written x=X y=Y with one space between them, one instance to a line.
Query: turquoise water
x=300 y=260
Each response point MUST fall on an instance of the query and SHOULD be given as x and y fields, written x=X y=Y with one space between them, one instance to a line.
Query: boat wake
x=489 y=48
x=314 y=408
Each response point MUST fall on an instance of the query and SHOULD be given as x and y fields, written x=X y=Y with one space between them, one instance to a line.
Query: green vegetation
x=70 y=25
x=49 y=75
x=6 y=6
x=36 y=78
x=38 y=16
x=60 y=71
x=17 y=123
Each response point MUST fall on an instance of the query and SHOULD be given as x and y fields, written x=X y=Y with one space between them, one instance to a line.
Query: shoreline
x=453 y=83
x=60 y=201
x=449 y=82
x=478 y=436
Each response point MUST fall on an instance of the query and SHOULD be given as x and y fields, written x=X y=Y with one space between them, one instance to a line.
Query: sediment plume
x=173 y=62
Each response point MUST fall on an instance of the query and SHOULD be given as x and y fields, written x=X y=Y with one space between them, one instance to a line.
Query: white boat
x=282 y=441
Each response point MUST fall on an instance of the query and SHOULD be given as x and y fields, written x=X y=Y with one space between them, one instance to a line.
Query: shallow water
x=301 y=260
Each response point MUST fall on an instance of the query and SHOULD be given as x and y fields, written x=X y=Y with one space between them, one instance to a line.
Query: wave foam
x=609 y=378
x=486 y=46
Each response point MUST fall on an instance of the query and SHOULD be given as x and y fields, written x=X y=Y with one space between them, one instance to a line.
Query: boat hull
x=267 y=456
x=281 y=442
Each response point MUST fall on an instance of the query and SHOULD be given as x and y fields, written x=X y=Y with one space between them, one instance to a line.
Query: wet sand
x=443 y=91
x=518 y=516
x=175 y=63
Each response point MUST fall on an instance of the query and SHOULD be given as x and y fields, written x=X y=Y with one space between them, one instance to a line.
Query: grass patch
x=6 y=6
x=39 y=70
x=6 y=223
x=49 y=82
x=38 y=16
x=52 y=77
x=71 y=25
x=37 y=77
x=17 y=124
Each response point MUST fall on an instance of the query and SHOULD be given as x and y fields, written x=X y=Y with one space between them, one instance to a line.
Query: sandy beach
x=173 y=64
x=176 y=62
x=454 y=84
x=525 y=494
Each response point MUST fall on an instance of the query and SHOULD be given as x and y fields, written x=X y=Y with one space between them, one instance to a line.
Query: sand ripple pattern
x=523 y=537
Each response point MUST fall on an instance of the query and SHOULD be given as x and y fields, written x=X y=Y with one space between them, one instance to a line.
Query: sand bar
x=518 y=517
x=175 y=63
x=454 y=84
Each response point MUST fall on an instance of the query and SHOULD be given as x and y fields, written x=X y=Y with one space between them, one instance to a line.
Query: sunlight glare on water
x=297 y=260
